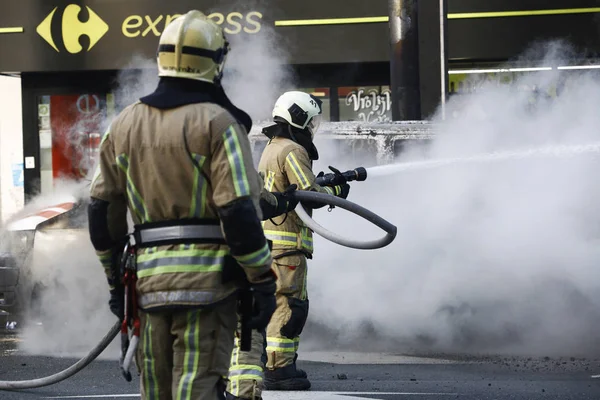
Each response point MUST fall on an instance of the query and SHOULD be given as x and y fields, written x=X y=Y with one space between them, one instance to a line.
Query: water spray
x=557 y=151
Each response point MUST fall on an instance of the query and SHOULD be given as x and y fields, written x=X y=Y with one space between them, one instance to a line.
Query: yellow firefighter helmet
x=192 y=46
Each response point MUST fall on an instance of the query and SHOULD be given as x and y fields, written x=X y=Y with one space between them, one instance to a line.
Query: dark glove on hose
x=117 y=295
x=286 y=201
x=117 y=301
x=342 y=190
x=264 y=304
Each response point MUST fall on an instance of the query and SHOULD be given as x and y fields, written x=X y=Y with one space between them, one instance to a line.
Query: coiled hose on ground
x=300 y=195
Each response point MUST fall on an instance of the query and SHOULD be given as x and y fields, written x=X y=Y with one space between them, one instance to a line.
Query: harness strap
x=178 y=232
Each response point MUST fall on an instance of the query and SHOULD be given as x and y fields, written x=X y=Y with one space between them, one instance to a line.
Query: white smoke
x=74 y=304
x=495 y=257
x=256 y=72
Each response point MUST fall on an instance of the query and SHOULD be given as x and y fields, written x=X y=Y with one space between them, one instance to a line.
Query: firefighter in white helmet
x=180 y=160
x=286 y=160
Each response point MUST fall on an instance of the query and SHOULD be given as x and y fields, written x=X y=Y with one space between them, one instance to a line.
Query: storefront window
x=365 y=103
x=70 y=130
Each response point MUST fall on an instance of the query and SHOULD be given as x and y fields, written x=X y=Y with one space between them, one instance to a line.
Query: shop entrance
x=65 y=116
x=70 y=128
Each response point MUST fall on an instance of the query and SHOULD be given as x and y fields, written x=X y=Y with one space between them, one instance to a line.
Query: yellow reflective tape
x=236 y=162
x=291 y=235
x=246 y=366
x=181 y=253
x=295 y=165
x=280 y=240
x=185 y=375
x=235 y=383
x=245 y=377
x=98 y=172
x=270 y=181
x=284 y=242
x=132 y=193
x=255 y=259
x=150 y=377
x=172 y=269
x=196 y=362
x=105 y=136
x=280 y=340
x=467 y=15
x=281 y=349
x=198 y=202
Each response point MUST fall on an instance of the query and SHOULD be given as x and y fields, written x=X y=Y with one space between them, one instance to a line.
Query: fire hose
x=322 y=198
x=370 y=216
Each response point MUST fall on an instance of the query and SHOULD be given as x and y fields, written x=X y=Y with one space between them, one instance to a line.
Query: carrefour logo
x=72 y=28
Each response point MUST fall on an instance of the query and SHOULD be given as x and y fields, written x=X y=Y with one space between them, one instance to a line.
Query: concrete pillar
x=11 y=147
x=404 y=60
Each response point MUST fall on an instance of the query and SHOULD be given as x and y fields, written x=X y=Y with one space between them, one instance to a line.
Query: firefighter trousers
x=184 y=354
x=282 y=334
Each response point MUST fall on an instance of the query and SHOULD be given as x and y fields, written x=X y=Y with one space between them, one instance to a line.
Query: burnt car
x=22 y=280
x=9 y=281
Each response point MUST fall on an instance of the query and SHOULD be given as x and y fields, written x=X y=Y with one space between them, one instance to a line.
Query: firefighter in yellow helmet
x=286 y=160
x=180 y=161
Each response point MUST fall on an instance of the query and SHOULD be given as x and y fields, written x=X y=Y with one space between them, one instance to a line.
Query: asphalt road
x=346 y=375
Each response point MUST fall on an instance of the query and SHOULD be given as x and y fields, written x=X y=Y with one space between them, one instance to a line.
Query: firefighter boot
x=286 y=378
x=299 y=372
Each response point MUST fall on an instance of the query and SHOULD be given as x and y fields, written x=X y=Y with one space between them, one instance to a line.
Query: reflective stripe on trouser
x=246 y=369
x=291 y=283
x=184 y=354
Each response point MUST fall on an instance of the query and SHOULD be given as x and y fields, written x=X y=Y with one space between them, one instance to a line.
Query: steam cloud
x=73 y=308
x=498 y=257
x=495 y=257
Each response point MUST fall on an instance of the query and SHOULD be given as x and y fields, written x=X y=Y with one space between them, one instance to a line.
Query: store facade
x=69 y=54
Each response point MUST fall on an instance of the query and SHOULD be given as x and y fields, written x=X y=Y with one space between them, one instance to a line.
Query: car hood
x=30 y=222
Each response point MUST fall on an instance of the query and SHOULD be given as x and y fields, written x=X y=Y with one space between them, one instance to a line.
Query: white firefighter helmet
x=300 y=110
x=192 y=46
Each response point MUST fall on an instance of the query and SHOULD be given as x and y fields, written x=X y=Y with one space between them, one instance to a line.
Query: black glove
x=332 y=179
x=117 y=295
x=342 y=190
x=117 y=301
x=264 y=303
x=286 y=201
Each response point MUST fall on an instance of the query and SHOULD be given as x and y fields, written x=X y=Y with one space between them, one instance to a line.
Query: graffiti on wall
x=370 y=105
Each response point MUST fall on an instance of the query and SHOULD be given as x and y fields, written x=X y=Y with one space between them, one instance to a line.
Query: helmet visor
x=314 y=124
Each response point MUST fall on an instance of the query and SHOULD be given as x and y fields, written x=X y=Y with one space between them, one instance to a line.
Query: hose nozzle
x=357 y=174
x=339 y=178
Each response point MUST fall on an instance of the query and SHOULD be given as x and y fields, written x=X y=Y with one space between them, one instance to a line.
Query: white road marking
x=314 y=395
x=309 y=395
x=95 y=396
x=595 y=376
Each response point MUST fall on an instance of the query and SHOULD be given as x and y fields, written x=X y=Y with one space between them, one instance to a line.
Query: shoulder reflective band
x=179 y=234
